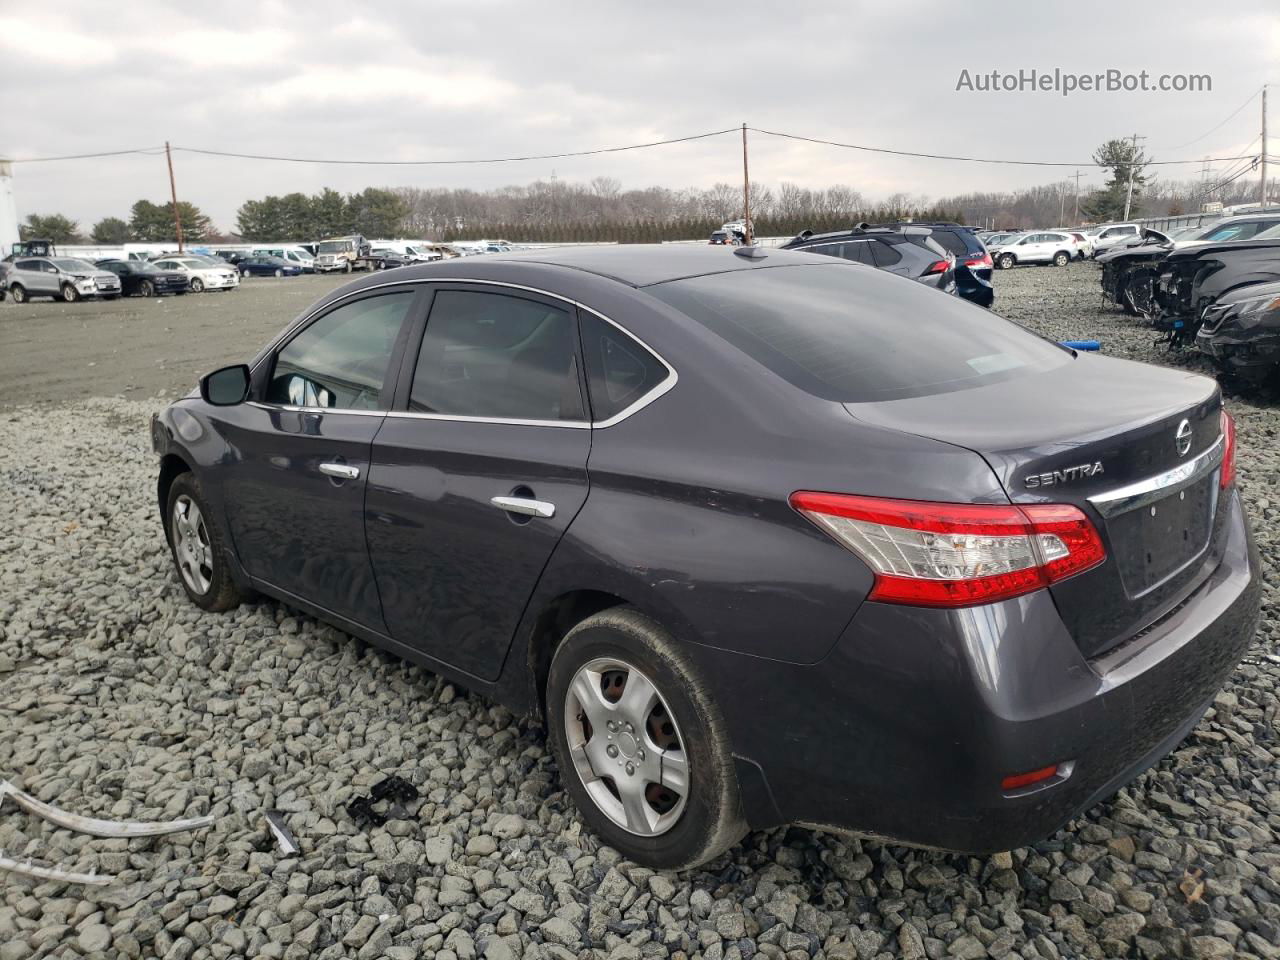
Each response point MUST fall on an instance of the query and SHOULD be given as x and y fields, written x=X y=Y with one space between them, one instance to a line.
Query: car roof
x=641 y=265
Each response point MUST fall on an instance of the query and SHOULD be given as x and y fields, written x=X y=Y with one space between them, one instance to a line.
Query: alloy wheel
x=191 y=545
x=19 y=294
x=626 y=747
x=145 y=288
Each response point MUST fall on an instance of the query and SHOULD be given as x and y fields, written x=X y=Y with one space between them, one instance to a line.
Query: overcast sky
x=487 y=78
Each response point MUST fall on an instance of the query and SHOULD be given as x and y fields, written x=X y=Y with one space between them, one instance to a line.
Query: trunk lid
x=1103 y=435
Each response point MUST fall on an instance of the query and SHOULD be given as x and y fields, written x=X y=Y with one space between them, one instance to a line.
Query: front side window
x=497 y=356
x=341 y=360
x=619 y=370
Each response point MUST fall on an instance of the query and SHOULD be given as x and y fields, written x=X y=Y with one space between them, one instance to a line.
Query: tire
x=346 y=266
x=604 y=654
x=244 y=273
x=146 y=289
x=279 y=272
x=19 y=293
x=1006 y=261
x=198 y=552
x=1061 y=258
x=69 y=293
x=197 y=285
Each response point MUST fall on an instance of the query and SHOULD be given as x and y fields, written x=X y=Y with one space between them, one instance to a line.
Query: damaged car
x=1240 y=331
x=1192 y=279
x=1130 y=271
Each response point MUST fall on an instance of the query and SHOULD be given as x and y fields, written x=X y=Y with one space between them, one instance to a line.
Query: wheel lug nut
x=631 y=769
x=640 y=756
x=613 y=726
x=613 y=750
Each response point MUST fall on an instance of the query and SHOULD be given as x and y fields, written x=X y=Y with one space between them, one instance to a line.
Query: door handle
x=340 y=471
x=525 y=506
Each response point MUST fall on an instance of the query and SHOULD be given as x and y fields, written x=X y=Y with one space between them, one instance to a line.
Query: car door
x=1031 y=249
x=477 y=471
x=298 y=461
x=30 y=275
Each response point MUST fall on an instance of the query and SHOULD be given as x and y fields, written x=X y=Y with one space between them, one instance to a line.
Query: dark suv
x=973 y=262
x=908 y=251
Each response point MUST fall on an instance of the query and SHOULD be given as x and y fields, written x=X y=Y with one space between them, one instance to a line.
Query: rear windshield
x=846 y=333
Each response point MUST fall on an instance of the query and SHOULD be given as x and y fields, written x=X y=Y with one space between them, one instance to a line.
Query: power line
x=1230 y=117
x=427 y=163
x=944 y=156
x=147 y=151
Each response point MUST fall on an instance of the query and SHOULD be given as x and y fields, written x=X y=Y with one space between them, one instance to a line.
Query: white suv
x=1056 y=248
x=1109 y=236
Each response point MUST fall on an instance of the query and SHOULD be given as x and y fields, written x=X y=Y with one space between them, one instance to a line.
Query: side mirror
x=225 y=387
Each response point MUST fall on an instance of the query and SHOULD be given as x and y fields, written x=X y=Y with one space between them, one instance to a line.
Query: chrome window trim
x=1147 y=491
x=637 y=405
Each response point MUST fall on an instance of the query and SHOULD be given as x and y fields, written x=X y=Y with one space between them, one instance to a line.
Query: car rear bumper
x=908 y=726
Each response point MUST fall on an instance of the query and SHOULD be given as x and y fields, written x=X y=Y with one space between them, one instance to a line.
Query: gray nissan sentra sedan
x=764 y=537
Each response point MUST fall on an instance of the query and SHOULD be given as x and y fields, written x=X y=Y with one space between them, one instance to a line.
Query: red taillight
x=939 y=266
x=982 y=261
x=1228 y=474
x=956 y=554
x=1020 y=780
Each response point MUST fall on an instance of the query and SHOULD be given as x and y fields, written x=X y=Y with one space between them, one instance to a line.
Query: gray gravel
x=118 y=698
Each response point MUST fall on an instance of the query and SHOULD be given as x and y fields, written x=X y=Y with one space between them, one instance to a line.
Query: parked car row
x=947 y=256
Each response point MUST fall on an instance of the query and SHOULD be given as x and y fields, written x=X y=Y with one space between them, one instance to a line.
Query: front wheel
x=197 y=285
x=146 y=289
x=279 y=272
x=640 y=744
x=195 y=543
x=1005 y=261
x=69 y=293
x=346 y=267
x=1061 y=258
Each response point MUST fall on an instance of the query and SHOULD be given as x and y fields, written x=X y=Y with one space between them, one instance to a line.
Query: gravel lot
x=121 y=699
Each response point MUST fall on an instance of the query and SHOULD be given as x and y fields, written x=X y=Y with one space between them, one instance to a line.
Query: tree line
x=554 y=210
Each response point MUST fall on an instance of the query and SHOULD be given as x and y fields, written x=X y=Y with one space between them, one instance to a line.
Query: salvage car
x=1130 y=271
x=1241 y=332
x=907 y=251
x=1193 y=278
x=202 y=274
x=138 y=278
x=763 y=536
x=62 y=278
x=972 y=261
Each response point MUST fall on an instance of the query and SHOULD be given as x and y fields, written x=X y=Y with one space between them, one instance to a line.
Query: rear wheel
x=69 y=293
x=146 y=289
x=1005 y=261
x=244 y=272
x=197 y=285
x=19 y=293
x=640 y=744
x=197 y=548
x=1061 y=258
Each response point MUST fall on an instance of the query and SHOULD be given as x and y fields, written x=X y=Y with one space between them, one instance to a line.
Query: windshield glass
x=334 y=246
x=853 y=335
x=73 y=265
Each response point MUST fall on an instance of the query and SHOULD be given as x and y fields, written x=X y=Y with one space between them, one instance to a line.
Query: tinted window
x=341 y=360
x=950 y=242
x=858 y=335
x=28 y=265
x=885 y=254
x=492 y=355
x=619 y=370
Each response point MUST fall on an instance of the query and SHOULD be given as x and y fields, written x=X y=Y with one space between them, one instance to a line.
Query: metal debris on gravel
x=121 y=699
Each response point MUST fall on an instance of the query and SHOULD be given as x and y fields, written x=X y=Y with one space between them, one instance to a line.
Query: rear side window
x=499 y=356
x=619 y=370
x=886 y=255
x=340 y=361
x=859 y=335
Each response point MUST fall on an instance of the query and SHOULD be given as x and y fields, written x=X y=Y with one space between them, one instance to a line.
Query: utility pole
x=1133 y=163
x=173 y=192
x=746 y=193
x=1077 y=214
x=1264 y=146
